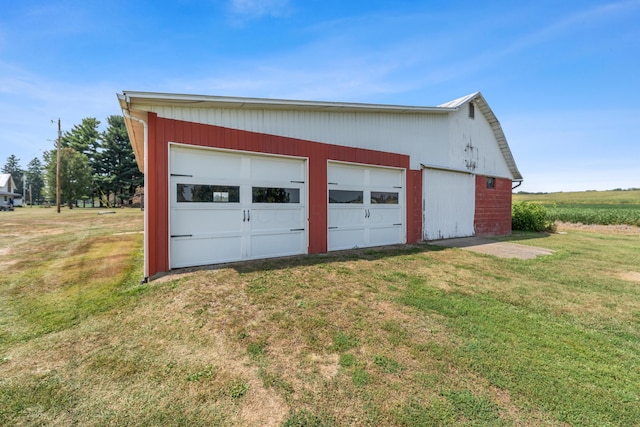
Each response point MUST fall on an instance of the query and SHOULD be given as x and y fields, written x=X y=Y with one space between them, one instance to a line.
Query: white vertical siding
x=448 y=204
x=449 y=140
x=477 y=133
x=421 y=136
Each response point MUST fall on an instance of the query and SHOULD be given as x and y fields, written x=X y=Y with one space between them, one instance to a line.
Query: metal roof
x=457 y=103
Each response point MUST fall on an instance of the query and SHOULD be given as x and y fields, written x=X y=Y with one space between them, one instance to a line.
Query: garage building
x=231 y=179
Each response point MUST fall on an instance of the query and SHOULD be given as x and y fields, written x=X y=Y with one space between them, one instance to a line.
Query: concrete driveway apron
x=491 y=247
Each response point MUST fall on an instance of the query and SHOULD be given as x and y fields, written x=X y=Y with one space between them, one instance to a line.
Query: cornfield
x=604 y=214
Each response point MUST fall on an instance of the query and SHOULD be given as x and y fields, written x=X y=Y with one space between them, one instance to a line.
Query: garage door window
x=201 y=193
x=275 y=195
x=384 y=198
x=345 y=196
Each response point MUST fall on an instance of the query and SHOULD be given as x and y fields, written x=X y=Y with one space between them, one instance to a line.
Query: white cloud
x=579 y=21
x=259 y=8
x=321 y=79
x=29 y=103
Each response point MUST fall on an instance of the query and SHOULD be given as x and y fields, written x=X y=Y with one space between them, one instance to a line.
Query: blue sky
x=563 y=78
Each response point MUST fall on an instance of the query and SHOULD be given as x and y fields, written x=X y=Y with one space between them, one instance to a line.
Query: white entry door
x=449 y=204
x=366 y=206
x=229 y=206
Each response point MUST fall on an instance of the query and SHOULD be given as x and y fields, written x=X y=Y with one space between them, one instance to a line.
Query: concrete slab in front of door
x=491 y=247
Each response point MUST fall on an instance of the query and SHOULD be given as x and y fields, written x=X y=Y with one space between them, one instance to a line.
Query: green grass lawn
x=405 y=336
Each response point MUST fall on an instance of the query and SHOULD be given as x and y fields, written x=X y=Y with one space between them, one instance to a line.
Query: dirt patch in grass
x=6 y=265
x=596 y=228
x=632 y=276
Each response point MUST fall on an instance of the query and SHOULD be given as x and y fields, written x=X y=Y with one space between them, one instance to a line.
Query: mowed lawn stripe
x=582 y=376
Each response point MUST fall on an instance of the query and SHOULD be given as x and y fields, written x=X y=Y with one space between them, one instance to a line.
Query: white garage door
x=230 y=206
x=449 y=204
x=366 y=206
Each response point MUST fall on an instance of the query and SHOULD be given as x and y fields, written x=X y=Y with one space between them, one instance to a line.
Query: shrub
x=527 y=216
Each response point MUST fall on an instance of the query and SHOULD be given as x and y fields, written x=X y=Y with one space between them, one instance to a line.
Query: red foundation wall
x=493 y=207
x=162 y=131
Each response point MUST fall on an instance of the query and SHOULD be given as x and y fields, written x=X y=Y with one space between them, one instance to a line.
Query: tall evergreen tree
x=118 y=168
x=12 y=166
x=85 y=139
x=35 y=179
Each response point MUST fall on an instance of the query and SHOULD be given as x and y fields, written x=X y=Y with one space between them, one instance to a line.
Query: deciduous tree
x=75 y=175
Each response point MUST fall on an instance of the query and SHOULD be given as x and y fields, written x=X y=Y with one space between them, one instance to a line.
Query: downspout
x=519 y=183
x=145 y=125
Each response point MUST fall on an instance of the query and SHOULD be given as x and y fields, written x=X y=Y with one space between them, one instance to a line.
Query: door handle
x=244 y=215
x=248 y=215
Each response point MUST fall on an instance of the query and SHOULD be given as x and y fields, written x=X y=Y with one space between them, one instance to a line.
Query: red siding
x=414 y=206
x=162 y=131
x=493 y=207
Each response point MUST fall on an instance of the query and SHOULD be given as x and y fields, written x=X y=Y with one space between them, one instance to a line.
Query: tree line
x=94 y=166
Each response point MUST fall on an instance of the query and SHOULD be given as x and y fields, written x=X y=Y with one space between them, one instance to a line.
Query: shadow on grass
x=369 y=254
x=518 y=236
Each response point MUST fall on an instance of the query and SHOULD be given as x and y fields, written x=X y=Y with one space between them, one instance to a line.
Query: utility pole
x=24 y=189
x=58 y=168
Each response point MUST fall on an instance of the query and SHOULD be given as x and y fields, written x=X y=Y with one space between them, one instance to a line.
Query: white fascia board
x=155 y=98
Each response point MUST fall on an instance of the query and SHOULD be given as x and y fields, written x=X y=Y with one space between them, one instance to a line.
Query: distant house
x=231 y=179
x=7 y=187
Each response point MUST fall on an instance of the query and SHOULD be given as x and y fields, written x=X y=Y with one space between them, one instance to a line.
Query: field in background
x=402 y=336
x=590 y=207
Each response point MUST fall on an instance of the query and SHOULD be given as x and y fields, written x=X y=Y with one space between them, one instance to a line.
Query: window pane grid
x=275 y=195
x=384 y=198
x=346 y=196
x=202 y=193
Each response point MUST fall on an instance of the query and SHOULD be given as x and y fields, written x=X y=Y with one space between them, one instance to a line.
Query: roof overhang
x=141 y=99
x=135 y=129
x=481 y=103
